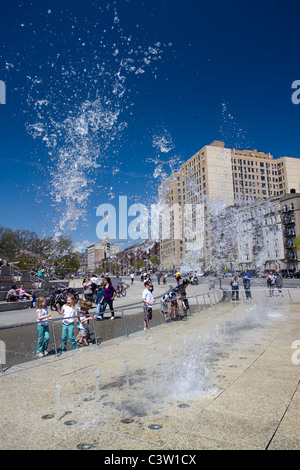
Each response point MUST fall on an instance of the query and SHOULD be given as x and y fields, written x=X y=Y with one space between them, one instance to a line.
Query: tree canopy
x=30 y=252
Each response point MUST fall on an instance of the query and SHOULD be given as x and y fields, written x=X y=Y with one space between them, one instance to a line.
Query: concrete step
x=10 y=306
x=5 y=271
x=38 y=293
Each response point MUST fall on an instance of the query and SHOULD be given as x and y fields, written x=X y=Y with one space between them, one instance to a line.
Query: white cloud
x=79 y=246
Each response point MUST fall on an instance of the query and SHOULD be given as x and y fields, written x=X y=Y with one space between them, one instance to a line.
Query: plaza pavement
x=225 y=378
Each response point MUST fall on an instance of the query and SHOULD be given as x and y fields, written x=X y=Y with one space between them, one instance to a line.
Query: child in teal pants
x=42 y=327
x=69 y=313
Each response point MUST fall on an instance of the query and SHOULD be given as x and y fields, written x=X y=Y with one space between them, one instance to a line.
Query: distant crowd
x=274 y=279
x=174 y=305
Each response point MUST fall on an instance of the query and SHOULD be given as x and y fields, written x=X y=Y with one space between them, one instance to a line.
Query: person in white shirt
x=148 y=300
x=68 y=312
x=271 y=280
x=42 y=327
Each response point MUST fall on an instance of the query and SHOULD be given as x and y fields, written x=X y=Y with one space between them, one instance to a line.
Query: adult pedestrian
x=87 y=289
x=247 y=284
x=279 y=282
x=109 y=295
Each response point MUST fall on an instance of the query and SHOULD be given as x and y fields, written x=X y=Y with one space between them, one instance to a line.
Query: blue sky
x=93 y=87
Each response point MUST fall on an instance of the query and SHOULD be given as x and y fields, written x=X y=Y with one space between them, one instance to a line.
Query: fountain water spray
x=97 y=375
x=170 y=353
x=58 y=387
x=151 y=364
x=127 y=373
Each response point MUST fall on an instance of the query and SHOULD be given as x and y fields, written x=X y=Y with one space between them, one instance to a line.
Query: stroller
x=59 y=296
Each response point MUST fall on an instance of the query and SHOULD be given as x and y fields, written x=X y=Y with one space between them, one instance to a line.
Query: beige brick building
x=215 y=178
x=97 y=253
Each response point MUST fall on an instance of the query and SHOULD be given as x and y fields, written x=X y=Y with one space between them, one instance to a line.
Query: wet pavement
x=225 y=378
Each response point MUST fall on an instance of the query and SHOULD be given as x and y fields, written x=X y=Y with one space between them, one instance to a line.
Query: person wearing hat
x=12 y=295
x=178 y=277
x=279 y=282
x=246 y=280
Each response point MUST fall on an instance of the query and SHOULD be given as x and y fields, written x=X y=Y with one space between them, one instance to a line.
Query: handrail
x=122 y=309
x=198 y=302
x=35 y=277
x=51 y=322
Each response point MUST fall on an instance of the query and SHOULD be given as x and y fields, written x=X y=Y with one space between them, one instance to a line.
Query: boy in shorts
x=148 y=300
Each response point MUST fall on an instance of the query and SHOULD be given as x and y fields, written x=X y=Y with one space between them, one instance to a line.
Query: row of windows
x=291 y=207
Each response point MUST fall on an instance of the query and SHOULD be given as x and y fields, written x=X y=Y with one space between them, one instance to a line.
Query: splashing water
x=83 y=113
x=163 y=143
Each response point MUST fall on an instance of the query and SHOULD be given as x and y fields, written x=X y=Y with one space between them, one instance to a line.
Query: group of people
x=16 y=295
x=274 y=279
x=235 y=281
x=71 y=315
x=102 y=292
x=173 y=305
x=160 y=276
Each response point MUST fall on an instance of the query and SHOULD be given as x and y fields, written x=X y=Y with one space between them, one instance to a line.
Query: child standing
x=68 y=312
x=100 y=303
x=235 y=287
x=84 y=322
x=148 y=300
x=42 y=327
x=33 y=298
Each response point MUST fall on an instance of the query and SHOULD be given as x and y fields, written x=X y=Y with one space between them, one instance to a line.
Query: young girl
x=84 y=307
x=42 y=327
x=68 y=312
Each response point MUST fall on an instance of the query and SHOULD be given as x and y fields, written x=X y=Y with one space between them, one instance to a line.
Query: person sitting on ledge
x=12 y=295
x=23 y=294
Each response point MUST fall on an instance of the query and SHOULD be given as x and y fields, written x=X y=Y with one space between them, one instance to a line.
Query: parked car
x=297 y=275
x=286 y=273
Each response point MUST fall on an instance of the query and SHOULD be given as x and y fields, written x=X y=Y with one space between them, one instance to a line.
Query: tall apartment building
x=261 y=238
x=290 y=213
x=171 y=247
x=98 y=252
x=217 y=177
